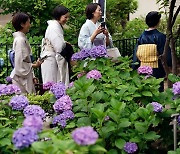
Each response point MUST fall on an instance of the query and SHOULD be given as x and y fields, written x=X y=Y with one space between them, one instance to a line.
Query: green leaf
x=89 y=91
x=97 y=96
x=142 y=112
x=136 y=139
x=71 y=125
x=147 y=93
x=80 y=114
x=84 y=121
x=97 y=148
x=151 y=136
x=112 y=151
x=98 y=113
x=141 y=127
x=5 y=141
x=120 y=143
x=124 y=123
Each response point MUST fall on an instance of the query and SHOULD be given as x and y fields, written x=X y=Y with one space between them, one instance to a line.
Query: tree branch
x=171 y=11
x=175 y=15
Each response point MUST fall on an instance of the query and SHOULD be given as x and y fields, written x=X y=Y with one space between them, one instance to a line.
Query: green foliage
x=39 y=10
x=122 y=95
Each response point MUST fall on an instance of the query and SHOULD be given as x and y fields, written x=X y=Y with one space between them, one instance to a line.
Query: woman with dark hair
x=58 y=51
x=150 y=46
x=22 y=74
x=92 y=33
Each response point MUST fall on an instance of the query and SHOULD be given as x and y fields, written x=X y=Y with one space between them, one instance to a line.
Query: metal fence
x=125 y=46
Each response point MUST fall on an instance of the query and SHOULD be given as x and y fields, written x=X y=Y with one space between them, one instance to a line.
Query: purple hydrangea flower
x=130 y=147
x=146 y=70
x=33 y=121
x=98 y=51
x=106 y=118
x=24 y=137
x=9 y=79
x=67 y=115
x=61 y=119
x=19 y=102
x=2 y=86
x=176 y=88
x=81 y=74
x=85 y=135
x=95 y=74
x=83 y=54
x=63 y=104
x=58 y=120
x=178 y=120
x=157 y=107
x=48 y=85
x=9 y=89
x=34 y=110
x=71 y=84
x=58 y=89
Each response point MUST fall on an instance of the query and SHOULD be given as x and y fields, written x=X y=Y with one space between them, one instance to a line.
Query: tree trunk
x=170 y=41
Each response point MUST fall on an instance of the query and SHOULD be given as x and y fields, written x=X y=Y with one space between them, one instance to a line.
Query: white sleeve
x=84 y=40
x=56 y=38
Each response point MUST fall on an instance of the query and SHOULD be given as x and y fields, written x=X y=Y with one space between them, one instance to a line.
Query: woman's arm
x=86 y=39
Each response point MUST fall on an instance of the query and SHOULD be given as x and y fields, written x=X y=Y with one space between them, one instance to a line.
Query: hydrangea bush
x=118 y=113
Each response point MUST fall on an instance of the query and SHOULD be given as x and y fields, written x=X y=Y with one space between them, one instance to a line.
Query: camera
x=103 y=24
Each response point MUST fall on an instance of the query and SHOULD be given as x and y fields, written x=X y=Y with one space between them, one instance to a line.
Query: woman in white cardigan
x=22 y=74
x=55 y=66
x=92 y=33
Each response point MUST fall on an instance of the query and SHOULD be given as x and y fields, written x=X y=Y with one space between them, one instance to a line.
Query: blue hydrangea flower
x=95 y=74
x=83 y=54
x=130 y=147
x=85 y=135
x=48 y=85
x=178 y=120
x=24 y=137
x=98 y=51
x=68 y=114
x=81 y=74
x=106 y=118
x=34 y=110
x=33 y=121
x=71 y=84
x=63 y=104
x=9 y=89
x=59 y=120
x=9 y=79
x=176 y=88
x=58 y=89
x=157 y=107
x=146 y=70
x=2 y=86
x=19 y=102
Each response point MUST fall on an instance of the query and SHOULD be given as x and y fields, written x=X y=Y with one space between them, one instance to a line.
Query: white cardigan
x=55 y=67
x=86 y=31
x=22 y=73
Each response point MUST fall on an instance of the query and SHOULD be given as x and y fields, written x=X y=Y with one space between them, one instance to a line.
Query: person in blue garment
x=92 y=33
x=150 y=46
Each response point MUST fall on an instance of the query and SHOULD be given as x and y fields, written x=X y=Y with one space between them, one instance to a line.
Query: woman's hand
x=38 y=63
x=96 y=32
x=105 y=32
x=99 y=30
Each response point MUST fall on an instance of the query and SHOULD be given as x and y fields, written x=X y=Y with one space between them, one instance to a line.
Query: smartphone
x=103 y=24
x=43 y=58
